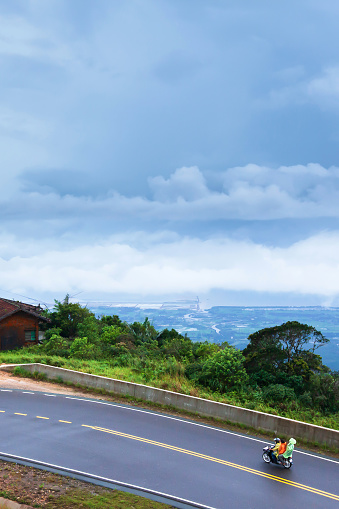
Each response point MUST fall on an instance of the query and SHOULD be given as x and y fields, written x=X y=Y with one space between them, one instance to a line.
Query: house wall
x=12 y=330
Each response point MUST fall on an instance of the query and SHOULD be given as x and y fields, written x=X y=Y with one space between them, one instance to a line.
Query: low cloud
x=175 y=266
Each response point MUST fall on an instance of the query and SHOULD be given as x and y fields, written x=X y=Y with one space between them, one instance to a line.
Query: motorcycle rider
x=275 y=449
x=289 y=450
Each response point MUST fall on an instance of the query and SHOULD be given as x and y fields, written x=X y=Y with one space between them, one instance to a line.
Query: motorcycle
x=269 y=457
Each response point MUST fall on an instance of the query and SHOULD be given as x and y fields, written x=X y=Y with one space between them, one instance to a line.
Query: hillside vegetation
x=278 y=372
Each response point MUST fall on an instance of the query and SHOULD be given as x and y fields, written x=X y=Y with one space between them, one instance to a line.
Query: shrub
x=89 y=328
x=193 y=371
x=51 y=332
x=173 y=368
x=123 y=360
x=277 y=393
x=82 y=349
x=224 y=370
x=56 y=345
x=306 y=399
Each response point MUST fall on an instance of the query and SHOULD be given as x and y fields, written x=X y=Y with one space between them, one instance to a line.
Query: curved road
x=202 y=465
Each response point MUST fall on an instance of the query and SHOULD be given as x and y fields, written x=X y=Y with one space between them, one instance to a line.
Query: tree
x=174 y=344
x=167 y=335
x=143 y=332
x=108 y=320
x=224 y=370
x=81 y=348
x=178 y=347
x=204 y=349
x=89 y=328
x=67 y=317
x=283 y=343
x=288 y=347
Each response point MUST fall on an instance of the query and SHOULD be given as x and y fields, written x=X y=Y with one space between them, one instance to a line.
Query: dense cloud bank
x=164 y=261
x=174 y=266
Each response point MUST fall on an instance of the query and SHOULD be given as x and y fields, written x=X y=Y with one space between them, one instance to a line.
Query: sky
x=155 y=150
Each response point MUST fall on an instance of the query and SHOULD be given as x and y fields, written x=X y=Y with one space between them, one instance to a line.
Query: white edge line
x=164 y=416
x=200 y=425
x=93 y=476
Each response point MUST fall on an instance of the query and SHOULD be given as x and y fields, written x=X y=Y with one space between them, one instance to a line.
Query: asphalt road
x=198 y=463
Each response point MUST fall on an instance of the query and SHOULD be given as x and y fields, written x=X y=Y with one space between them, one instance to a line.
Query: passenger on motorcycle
x=282 y=447
x=289 y=450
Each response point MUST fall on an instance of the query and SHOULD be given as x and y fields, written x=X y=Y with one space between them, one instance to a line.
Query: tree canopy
x=67 y=317
x=285 y=348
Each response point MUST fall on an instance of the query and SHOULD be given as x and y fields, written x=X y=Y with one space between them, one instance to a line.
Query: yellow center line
x=217 y=460
x=37 y=416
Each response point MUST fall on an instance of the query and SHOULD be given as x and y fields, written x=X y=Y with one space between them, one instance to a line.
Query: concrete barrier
x=202 y=407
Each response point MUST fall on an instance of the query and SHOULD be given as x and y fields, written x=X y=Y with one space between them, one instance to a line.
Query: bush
x=277 y=393
x=306 y=399
x=173 y=368
x=89 y=328
x=123 y=360
x=82 y=349
x=178 y=347
x=193 y=371
x=224 y=370
x=51 y=332
x=19 y=371
x=56 y=345
x=203 y=350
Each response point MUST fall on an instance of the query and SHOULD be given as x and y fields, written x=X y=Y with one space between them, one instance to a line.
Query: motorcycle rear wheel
x=266 y=457
x=287 y=464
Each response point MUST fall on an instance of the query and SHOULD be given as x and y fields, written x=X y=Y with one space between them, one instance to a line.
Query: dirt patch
x=38 y=488
x=35 y=487
x=9 y=381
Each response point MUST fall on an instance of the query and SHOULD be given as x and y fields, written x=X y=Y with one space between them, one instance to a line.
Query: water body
x=232 y=323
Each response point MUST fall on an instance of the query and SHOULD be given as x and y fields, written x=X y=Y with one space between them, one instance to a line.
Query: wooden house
x=19 y=324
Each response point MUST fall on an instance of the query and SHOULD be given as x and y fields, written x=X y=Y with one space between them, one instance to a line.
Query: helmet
x=292 y=441
x=277 y=440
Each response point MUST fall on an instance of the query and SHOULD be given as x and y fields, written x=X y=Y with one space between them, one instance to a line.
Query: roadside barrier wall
x=202 y=407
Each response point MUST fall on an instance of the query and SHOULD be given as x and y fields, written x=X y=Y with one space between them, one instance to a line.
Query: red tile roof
x=9 y=307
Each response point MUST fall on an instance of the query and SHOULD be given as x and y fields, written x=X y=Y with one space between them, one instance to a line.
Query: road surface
x=192 y=462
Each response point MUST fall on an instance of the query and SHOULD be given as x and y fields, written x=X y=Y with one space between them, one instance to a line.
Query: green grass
x=172 y=383
x=77 y=499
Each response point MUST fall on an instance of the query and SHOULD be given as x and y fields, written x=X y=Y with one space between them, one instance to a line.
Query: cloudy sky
x=167 y=149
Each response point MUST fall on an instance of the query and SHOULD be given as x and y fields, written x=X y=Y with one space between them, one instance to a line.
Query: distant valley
x=229 y=323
